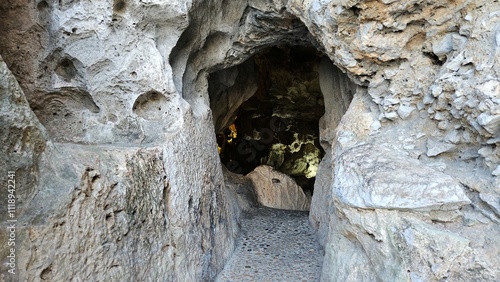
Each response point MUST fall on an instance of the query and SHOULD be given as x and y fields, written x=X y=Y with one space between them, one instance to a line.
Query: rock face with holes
x=362 y=182
x=100 y=160
x=277 y=190
x=112 y=210
x=111 y=134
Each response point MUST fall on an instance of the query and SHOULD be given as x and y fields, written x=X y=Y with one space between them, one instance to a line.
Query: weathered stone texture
x=127 y=212
x=370 y=177
x=115 y=212
x=277 y=190
x=24 y=141
x=240 y=190
x=23 y=138
x=117 y=161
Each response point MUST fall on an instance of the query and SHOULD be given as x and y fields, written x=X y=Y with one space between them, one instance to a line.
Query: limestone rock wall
x=118 y=180
x=115 y=212
x=96 y=72
x=117 y=86
x=424 y=102
x=24 y=139
x=240 y=190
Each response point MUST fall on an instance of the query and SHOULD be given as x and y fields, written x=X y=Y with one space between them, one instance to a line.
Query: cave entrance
x=267 y=111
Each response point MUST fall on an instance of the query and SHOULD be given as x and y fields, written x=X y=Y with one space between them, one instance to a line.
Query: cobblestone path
x=274 y=245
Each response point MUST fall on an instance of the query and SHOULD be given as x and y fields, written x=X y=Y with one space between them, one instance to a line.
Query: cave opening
x=267 y=110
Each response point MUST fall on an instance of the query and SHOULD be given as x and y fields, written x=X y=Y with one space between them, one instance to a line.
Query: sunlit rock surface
x=277 y=190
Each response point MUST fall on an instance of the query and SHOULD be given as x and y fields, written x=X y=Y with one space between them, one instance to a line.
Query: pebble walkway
x=274 y=245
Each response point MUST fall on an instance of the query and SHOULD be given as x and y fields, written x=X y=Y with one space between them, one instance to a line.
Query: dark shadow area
x=267 y=111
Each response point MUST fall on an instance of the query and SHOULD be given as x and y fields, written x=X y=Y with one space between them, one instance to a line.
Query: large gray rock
x=370 y=177
x=395 y=218
x=388 y=245
x=277 y=190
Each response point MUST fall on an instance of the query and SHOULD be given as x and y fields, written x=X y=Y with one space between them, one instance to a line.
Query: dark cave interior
x=278 y=122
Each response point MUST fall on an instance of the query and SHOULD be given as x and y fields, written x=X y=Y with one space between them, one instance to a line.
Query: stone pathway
x=274 y=245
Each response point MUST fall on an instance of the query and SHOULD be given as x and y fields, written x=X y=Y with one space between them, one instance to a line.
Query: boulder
x=277 y=190
x=371 y=176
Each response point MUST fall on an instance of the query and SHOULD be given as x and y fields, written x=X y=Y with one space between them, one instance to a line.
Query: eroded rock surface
x=372 y=177
x=121 y=116
x=118 y=212
x=277 y=190
x=241 y=190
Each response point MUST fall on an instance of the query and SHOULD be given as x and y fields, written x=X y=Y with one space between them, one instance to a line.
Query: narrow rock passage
x=274 y=245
